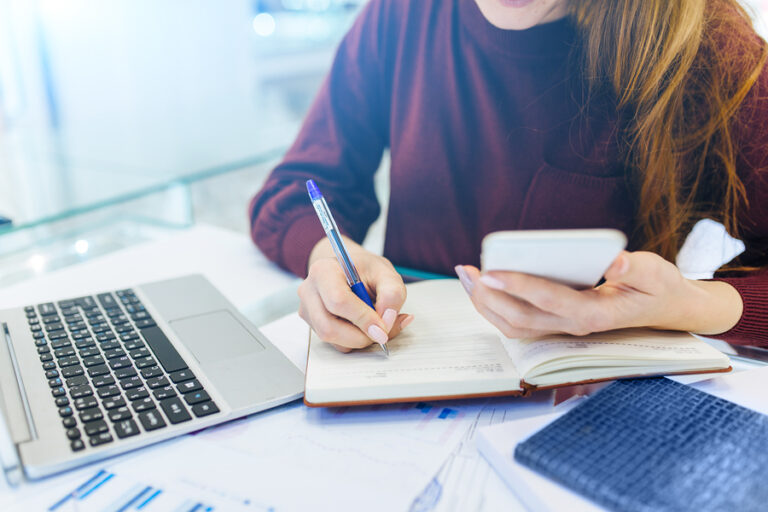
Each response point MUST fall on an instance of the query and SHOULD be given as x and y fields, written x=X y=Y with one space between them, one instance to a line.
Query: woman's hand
x=641 y=289
x=336 y=314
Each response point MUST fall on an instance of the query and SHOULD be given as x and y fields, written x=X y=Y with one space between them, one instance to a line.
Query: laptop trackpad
x=216 y=336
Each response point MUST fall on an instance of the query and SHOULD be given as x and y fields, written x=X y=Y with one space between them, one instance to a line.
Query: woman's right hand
x=336 y=314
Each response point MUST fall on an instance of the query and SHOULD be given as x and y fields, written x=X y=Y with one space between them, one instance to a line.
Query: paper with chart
x=290 y=458
x=449 y=349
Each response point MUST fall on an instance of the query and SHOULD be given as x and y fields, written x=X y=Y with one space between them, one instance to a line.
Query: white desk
x=380 y=459
x=401 y=457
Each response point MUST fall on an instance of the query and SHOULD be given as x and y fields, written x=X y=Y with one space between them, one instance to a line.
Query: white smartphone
x=574 y=257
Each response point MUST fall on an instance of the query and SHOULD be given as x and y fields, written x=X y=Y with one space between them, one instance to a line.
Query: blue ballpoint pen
x=332 y=231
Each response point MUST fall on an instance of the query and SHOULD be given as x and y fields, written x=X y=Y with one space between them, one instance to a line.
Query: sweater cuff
x=752 y=327
x=298 y=241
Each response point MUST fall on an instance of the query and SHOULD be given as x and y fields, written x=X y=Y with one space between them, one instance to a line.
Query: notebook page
x=622 y=348
x=449 y=349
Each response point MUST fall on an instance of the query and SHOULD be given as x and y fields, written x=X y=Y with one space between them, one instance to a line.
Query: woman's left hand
x=641 y=289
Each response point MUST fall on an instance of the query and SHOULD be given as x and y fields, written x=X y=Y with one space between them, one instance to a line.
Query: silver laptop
x=95 y=376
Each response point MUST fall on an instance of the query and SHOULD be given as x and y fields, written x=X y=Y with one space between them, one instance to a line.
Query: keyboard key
x=77 y=445
x=89 y=352
x=108 y=391
x=163 y=393
x=119 y=362
x=50 y=365
x=113 y=353
x=110 y=345
x=196 y=397
x=65 y=411
x=123 y=328
x=47 y=309
x=46 y=357
x=95 y=371
x=80 y=380
x=52 y=374
x=113 y=403
x=38 y=335
x=107 y=300
x=131 y=382
x=89 y=415
x=181 y=376
x=61 y=343
x=189 y=386
x=96 y=427
x=54 y=327
x=163 y=349
x=64 y=352
x=69 y=422
x=73 y=434
x=125 y=373
x=62 y=401
x=175 y=410
x=130 y=337
x=72 y=371
x=145 y=363
x=80 y=391
x=157 y=382
x=85 y=403
x=41 y=342
x=103 y=380
x=100 y=439
x=151 y=371
x=58 y=335
x=85 y=343
x=139 y=353
x=151 y=420
x=68 y=361
x=107 y=336
x=137 y=393
x=101 y=329
x=60 y=391
x=143 y=404
x=51 y=319
x=44 y=350
x=85 y=302
x=29 y=309
x=54 y=383
x=143 y=324
x=126 y=428
x=119 y=414
x=93 y=361
x=204 y=409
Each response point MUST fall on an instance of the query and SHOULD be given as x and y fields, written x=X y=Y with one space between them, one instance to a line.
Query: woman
x=640 y=115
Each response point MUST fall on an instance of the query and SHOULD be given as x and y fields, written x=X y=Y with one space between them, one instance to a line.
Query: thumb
x=633 y=269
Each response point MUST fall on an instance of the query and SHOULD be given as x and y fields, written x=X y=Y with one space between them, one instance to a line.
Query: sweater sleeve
x=340 y=146
x=752 y=133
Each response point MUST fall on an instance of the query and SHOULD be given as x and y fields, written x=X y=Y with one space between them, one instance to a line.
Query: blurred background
x=123 y=119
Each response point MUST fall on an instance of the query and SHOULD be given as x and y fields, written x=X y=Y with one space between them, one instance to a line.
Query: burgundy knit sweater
x=486 y=132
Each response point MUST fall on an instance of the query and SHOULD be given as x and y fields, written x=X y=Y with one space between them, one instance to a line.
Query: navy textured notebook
x=656 y=445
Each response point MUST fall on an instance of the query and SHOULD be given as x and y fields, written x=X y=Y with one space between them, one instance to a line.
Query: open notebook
x=450 y=351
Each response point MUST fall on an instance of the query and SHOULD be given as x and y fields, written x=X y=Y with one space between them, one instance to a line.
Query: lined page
x=627 y=348
x=449 y=349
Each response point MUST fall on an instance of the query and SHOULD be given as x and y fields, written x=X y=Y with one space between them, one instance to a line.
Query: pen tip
x=385 y=349
x=314 y=192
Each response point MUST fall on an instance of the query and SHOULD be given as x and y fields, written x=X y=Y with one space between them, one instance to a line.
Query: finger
x=328 y=327
x=518 y=313
x=506 y=329
x=400 y=323
x=389 y=290
x=548 y=296
x=343 y=303
x=642 y=271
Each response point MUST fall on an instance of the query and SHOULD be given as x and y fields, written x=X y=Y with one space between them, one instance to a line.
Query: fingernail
x=389 y=317
x=377 y=334
x=491 y=282
x=466 y=282
x=406 y=321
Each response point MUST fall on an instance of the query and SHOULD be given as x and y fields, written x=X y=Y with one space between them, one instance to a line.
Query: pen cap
x=314 y=192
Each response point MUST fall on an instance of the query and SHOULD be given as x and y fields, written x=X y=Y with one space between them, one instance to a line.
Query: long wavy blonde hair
x=682 y=68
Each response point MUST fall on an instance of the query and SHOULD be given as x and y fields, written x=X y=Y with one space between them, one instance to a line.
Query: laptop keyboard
x=111 y=369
